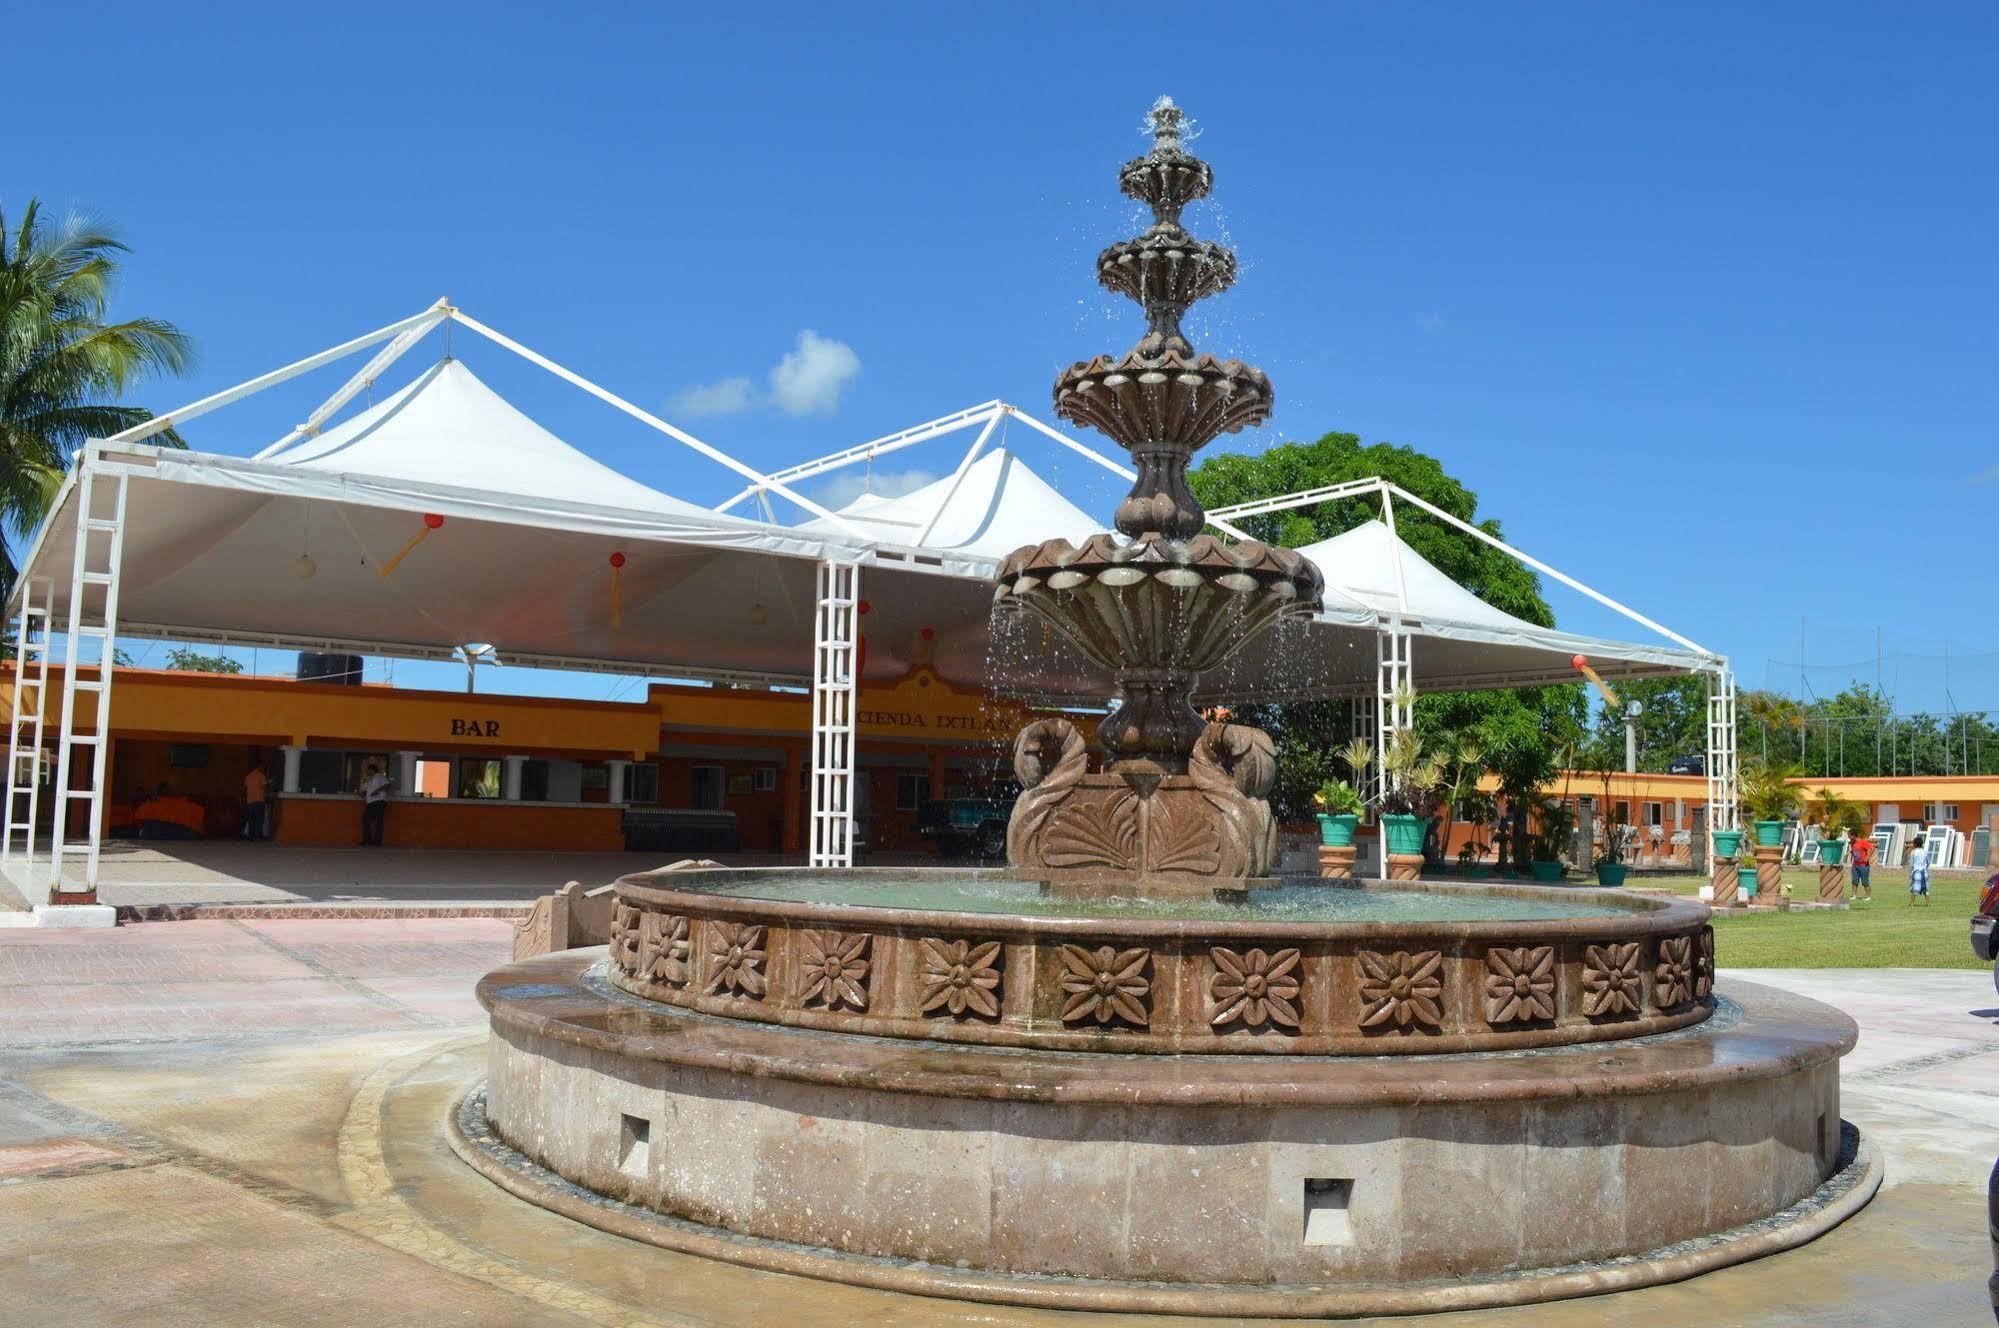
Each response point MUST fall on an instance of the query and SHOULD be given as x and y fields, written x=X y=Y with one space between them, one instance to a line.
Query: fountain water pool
x=1134 y=1071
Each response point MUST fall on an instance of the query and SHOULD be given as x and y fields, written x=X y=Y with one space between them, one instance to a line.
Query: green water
x=1302 y=903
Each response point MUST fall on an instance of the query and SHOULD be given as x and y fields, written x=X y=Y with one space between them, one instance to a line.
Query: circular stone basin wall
x=1299 y=971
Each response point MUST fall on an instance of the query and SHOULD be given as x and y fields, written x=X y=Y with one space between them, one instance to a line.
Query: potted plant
x=1838 y=820
x=1557 y=826
x=1340 y=806
x=1611 y=869
x=1769 y=799
x=1406 y=777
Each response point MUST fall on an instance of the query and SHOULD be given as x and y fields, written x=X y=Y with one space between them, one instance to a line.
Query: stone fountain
x=1177 y=806
x=1131 y=1071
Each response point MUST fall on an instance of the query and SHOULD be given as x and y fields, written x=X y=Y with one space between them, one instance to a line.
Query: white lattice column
x=1394 y=706
x=31 y=689
x=1723 y=763
x=835 y=641
x=93 y=620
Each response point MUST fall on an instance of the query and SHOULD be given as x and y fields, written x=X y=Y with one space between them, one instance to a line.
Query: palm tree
x=63 y=369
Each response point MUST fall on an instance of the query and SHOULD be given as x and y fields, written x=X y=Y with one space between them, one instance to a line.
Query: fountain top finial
x=1165 y=121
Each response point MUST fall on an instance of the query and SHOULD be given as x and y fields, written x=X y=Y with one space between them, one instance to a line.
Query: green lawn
x=1887 y=933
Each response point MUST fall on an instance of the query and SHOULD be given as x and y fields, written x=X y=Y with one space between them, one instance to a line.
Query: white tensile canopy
x=988 y=511
x=331 y=539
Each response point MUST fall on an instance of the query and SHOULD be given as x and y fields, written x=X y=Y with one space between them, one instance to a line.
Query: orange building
x=511 y=772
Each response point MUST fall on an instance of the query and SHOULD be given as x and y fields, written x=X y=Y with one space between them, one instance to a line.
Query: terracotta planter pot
x=1769 y=872
x=1405 y=866
x=1336 y=859
x=1832 y=882
x=1727 y=883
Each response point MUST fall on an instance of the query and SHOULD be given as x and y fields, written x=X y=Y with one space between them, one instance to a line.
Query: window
x=477 y=778
x=708 y=783
x=534 y=781
x=1933 y=811
x=1621 y=812
x=910 y=791
x=642 y=783
x=766 y=779
x=1655 y=813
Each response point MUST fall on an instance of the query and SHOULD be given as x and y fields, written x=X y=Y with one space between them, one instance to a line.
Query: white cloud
x=730 y=396
x=850 y=484
x=809 y=380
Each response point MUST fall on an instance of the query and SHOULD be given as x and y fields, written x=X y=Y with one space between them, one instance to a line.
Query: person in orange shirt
x=1863 y=865
x=256 y=808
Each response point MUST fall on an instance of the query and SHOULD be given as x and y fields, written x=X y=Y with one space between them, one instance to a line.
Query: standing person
x=1919 y=872
x=1863 y=867
x=256 y=811
x=374 y=805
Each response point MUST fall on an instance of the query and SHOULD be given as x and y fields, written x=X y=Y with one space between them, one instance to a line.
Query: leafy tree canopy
x=63 y=366
x=194 y=661
x=1523 y=735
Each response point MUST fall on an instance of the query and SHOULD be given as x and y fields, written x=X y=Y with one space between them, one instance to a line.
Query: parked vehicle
x=1983 y=925
x=965 y=827
x=1688 y=765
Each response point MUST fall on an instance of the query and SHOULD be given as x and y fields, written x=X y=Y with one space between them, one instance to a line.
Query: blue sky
x=1623 y=268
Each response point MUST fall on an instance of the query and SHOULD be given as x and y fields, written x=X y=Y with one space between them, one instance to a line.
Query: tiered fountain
x=1131 y=1071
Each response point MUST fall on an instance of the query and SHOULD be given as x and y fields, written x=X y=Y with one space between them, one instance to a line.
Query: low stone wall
x=1169 y=986
x=1229 y=1171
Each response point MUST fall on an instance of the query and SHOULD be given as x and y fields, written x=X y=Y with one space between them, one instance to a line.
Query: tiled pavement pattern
x=236 y=1122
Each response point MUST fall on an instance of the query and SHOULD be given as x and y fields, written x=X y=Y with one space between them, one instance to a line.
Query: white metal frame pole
x=83 y=579
x=835 y=640
x=958 y=477
x=1723 y=759
x=24 y=733
x=1394 y=701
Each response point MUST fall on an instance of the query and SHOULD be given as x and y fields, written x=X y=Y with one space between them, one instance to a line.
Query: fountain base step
x=1194 y=1184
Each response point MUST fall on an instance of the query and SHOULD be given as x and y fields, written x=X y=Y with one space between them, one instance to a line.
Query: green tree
x=63 y=368
x=1672 y=722
x=1517 y=733
x=193 y=661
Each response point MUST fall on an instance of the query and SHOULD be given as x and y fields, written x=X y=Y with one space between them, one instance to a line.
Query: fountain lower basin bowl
x=979 y=957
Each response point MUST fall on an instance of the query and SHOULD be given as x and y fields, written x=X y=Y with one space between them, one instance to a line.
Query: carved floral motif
x=1611 y=982
x=1519 y=984
x=959 y=976
x=1401 y=988
x=1255 y=988
x=1704 y=964
x=1105 y=983
x=833 y=969
x=665 y=949
x=1675 y=971
x=625 y=937
x=735 y=958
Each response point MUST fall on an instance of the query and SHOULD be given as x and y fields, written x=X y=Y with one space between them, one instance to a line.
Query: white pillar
x=616 y=793
x=510 y=778
x=836 y=629
x=1394 y=700
x=406 y=773
x=289 y=784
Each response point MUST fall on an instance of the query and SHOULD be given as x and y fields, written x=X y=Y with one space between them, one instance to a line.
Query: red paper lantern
x=432 y=520
x=617 y=560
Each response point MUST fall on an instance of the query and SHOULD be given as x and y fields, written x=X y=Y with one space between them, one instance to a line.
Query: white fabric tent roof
x=212 y=545
x=993 y=508
x=446 y=425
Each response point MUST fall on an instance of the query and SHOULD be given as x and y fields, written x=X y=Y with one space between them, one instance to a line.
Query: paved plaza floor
x=238 y=1122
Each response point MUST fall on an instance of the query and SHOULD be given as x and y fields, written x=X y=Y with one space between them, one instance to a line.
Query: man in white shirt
x=374 y=806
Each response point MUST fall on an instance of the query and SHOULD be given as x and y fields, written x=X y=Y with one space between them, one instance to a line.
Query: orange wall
x=456 y=823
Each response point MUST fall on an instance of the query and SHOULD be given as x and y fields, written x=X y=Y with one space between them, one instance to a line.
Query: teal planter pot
x=1611 y=873
x=1831 y=852
x=1546 y=871
x=1727 y=843
x=1337 y=831
x=1769 y=833
x=1404 y=832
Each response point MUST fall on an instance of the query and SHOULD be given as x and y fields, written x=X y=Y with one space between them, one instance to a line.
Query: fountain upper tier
x=1161 y=400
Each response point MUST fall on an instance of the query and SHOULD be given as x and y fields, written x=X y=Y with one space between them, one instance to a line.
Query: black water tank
x=317 y=666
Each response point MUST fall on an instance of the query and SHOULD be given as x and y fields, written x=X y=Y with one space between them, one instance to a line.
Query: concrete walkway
x=140 y=874
x=238 y=1122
